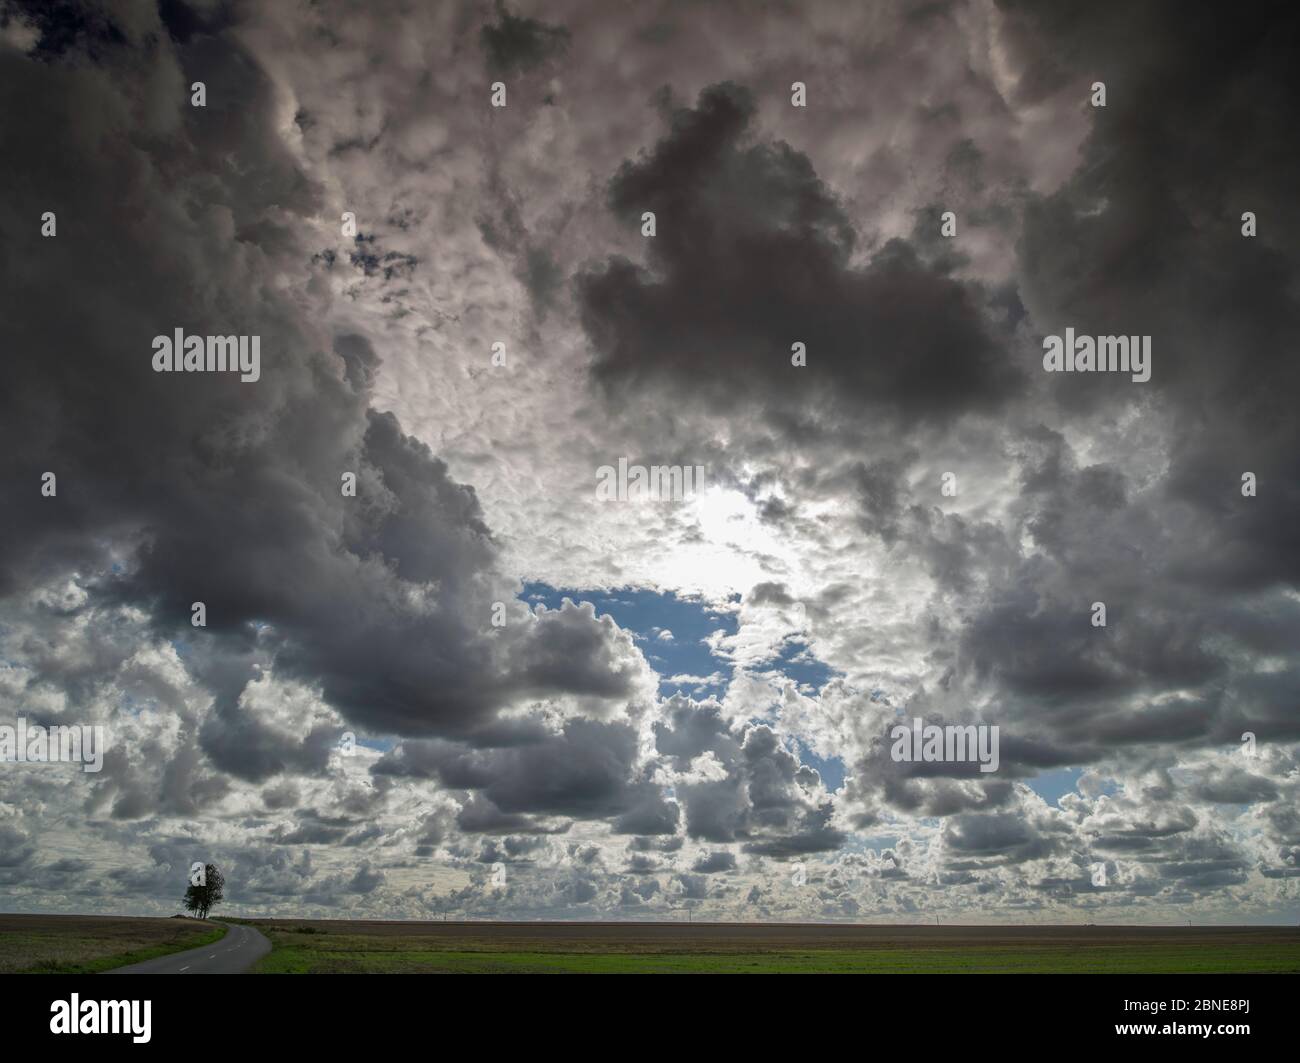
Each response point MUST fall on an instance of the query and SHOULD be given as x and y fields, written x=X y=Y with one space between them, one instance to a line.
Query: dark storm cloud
x=17 y=850
x=309 y=834
x=933 y=788
x=515 y=45
x=765 y=798
x=752 y=254
x=585 y=771
x=1140 y=240
x=770 y=594
x=508 y=848
x=177 y=488
x=715 y=862
x=241 y=744
x=693 y=887
x=184 y=20
x=66 y=25
x=185 y=786
x=1195 y=132
x=974 y=840
x=659 y=845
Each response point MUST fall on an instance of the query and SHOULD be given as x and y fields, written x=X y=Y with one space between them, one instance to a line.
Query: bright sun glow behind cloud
x=726 y=553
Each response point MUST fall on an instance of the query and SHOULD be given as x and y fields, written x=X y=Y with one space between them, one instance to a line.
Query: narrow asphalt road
x=233 y=954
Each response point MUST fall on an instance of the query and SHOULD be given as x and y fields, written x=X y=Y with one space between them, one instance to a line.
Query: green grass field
x=88 y=944
x=480 y=948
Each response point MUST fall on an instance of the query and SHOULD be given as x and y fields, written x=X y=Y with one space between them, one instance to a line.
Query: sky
x=365 y=631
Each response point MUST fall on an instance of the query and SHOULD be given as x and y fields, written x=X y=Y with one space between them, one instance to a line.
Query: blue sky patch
x=648 y=615
x=1051 y=786
x=797 y=661
x=831 y=769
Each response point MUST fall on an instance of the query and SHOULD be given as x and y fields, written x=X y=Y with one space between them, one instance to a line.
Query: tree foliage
x=200 y=897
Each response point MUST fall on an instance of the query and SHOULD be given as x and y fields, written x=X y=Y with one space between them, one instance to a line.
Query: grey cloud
x=752 y=255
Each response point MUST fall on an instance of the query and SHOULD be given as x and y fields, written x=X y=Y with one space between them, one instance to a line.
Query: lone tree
x=205 y=890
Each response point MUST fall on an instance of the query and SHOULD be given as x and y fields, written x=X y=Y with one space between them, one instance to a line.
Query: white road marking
x=184 y=968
